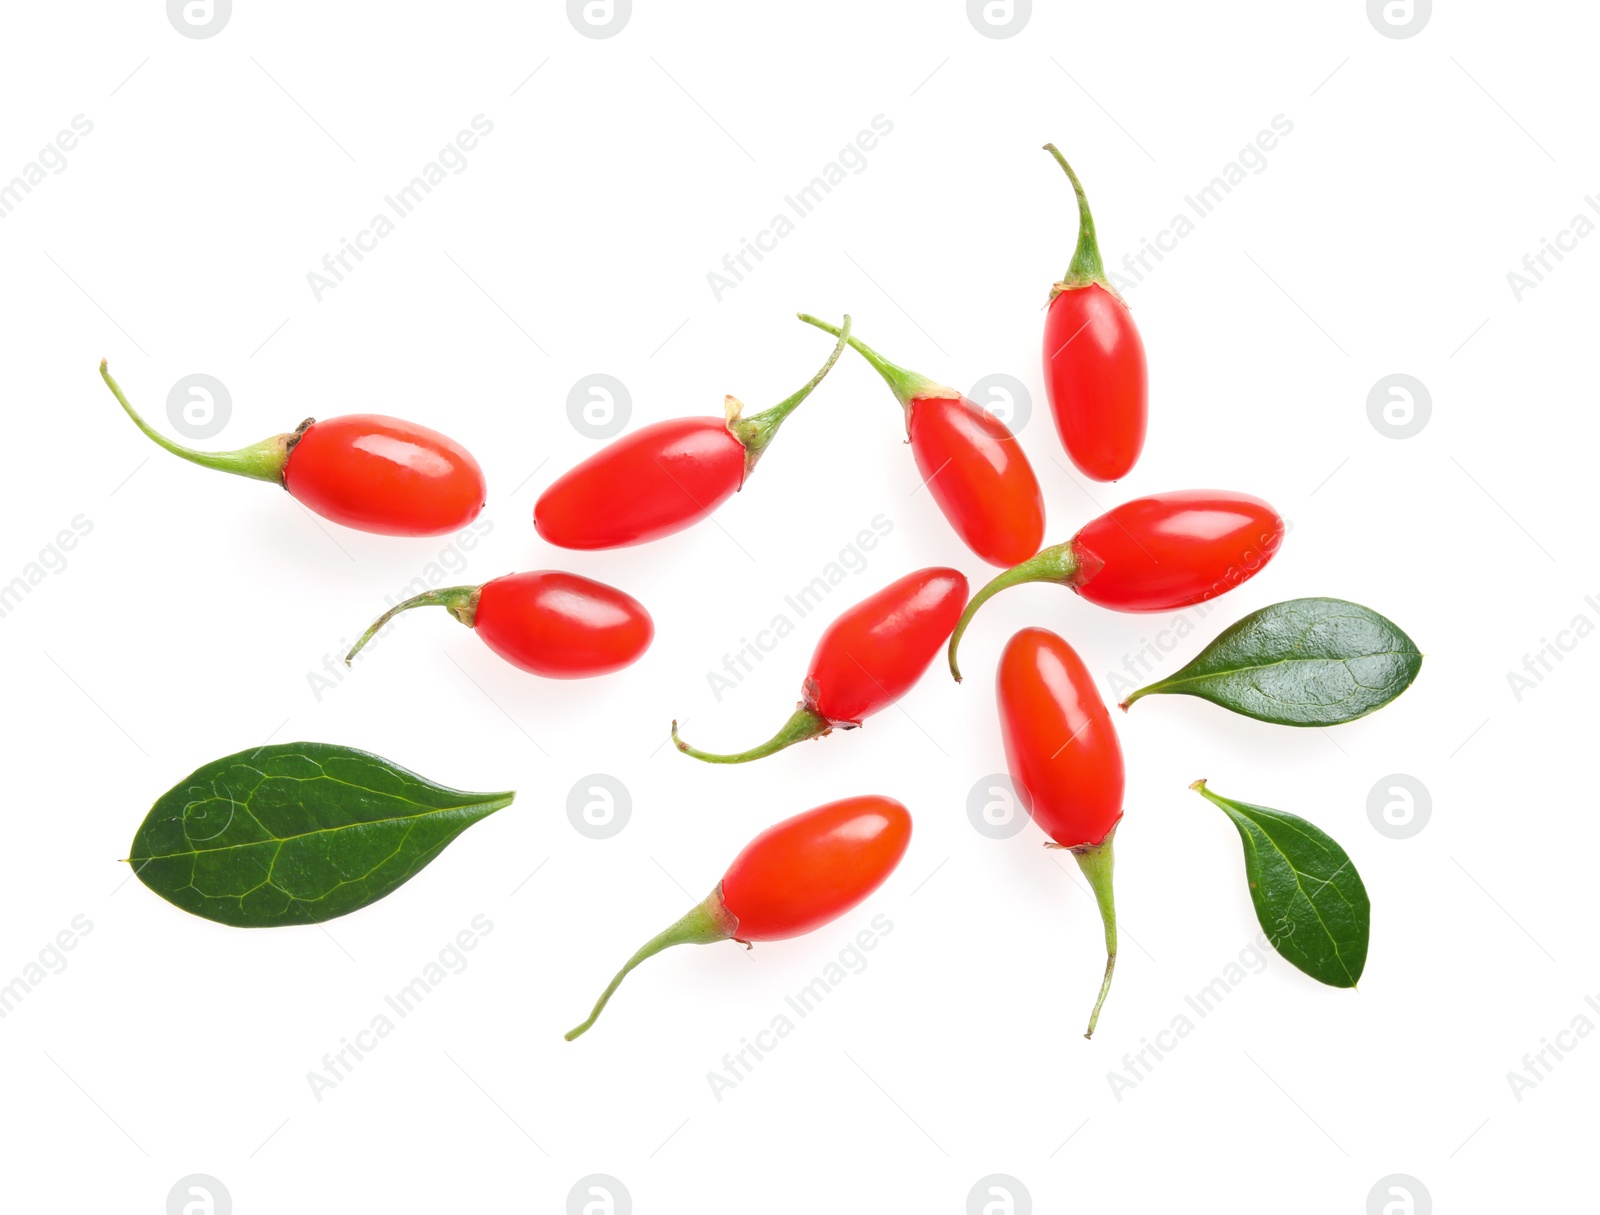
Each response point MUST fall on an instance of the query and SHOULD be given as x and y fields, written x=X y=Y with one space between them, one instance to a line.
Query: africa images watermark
x=1250 y=162
x=52 y=158
x=1539 y=665
x=850 y=162
x=451 y=161
x=50 y=960
x=1138 y=1065
x=1538 y=264
x=449 y=561
x=738 y=1065
x=1538 y=1065
x=52 y=559
x=852 y=559
x=338 y=1065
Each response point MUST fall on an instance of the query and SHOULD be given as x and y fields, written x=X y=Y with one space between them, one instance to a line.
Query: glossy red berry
x=1061 y=746
x=662 y=478
x=382 y=475
x=792 y=878
x=1153 y=554
x=366 y=471
x=799 y=874
x=976 y=471
x=1094 y=364
x=866 y=659
x=546 y=622
x=1065 y=762
x=973 y=466
x=1173 y=550
x=658 y=480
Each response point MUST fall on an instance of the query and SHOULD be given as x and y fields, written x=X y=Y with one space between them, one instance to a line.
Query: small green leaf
x=297 y=833
x=1308 y=896
x=1306 y=662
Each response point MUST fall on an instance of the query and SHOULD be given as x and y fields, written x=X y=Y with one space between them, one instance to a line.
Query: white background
x=188 y=623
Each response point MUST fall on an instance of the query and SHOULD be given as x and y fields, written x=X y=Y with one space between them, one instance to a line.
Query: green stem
x=1086 y=266
x=460 y=601
x=907 y=385
x=707 y=922
x=758 y=430
x=1058 y=563
x=806 y=723
x=262 y=461
x=1097 y=863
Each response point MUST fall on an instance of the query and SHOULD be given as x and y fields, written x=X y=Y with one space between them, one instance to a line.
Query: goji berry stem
x=805 y=723
x=709 y=921
x=1058 y=563
x=758 y=430
x=1086 y=265
x=906 y=385
x=262 y=461
x=460 y=601
x=1097 y=863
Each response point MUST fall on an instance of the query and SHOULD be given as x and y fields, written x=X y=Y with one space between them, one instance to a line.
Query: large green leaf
x=297 y=833
x=1306 y=662
x=1308 y=896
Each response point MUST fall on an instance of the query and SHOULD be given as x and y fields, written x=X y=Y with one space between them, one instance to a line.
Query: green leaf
x=1308 y=896
x=1306 y=662
x=297 y=833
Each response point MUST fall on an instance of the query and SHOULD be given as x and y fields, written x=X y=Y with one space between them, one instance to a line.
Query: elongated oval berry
x=658 y=480
x=1061 y=746
x=977 y=473
x=383 y=475
x=559 y=625
x=663 y=477
x=865 y=660
x=1065 y=762
x=973 y=466
x=1153 y=554
x=366 y=471
x=1094 y=365
x=799 y=874
x=1172 y=550
x=795 y=876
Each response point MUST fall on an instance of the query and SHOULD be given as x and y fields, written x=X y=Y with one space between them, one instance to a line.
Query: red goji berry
x=793 y=877
x=558 y=625
x=664 y=477
x=970 y=461
x=1065 y=762
x=364 y=470
x=1094 y=366
x=866 y=659
x=1153 y=554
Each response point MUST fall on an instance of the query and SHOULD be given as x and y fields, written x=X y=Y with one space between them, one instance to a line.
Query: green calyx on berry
x=707 y=922
x=1097 y=862
x=907 y=386
x=460 y=601
x=263 y=461
x=1086 y=268
x=804 y=723
x=758 y=430
x=1069 y=564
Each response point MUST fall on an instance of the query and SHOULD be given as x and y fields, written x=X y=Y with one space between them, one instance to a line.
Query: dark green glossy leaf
x=1308 y=896
x=1306 y=662
x=297 y=833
